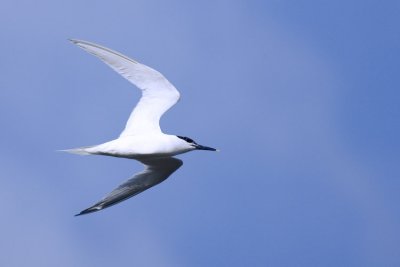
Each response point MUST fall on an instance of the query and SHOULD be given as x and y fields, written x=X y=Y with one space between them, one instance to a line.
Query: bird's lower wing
x=156 y=171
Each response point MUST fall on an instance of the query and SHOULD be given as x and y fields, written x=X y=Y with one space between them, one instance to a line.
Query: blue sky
x=300 y=96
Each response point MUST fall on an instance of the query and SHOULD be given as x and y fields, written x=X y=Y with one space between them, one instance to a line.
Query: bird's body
x=138 y=147
x=142 y=138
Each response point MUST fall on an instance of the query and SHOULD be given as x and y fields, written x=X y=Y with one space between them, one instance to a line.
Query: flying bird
x=142 y=138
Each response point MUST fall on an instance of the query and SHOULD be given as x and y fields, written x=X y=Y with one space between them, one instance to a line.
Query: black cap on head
x=195 y=145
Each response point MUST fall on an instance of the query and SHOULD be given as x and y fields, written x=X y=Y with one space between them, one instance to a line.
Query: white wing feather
x=158 y=94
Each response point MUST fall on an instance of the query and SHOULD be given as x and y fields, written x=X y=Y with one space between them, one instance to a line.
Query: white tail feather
x=78 y=151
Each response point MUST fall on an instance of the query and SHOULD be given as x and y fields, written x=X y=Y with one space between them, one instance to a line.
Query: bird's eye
x=187 y=139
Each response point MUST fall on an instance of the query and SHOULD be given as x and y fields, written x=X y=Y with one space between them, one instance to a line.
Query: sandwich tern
x=142 y=138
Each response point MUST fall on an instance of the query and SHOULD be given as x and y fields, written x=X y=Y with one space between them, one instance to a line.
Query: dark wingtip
x=81 y=213
x=73 y=40
x=89 y=210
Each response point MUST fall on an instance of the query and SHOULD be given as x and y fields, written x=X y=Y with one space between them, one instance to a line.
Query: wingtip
x=89 y=210
x=72 y=40
x=78 y=42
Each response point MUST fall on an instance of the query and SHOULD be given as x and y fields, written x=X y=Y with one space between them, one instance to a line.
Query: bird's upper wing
x=158 y=94
x=156 y=171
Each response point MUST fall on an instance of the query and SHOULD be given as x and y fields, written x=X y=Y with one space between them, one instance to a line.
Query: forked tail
x=79 y=151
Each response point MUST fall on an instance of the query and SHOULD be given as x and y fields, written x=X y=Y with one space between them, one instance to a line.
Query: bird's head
x=192 y=145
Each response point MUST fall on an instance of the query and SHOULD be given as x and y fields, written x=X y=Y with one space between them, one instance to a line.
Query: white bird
x=142 y=138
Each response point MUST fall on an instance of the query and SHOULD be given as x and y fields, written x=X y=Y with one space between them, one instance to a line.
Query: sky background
x=302 y=98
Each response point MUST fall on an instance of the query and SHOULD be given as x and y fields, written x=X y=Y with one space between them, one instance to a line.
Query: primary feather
x=158 y=94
